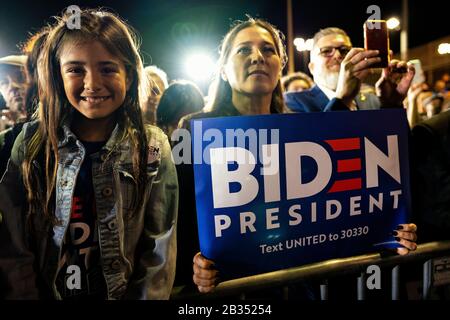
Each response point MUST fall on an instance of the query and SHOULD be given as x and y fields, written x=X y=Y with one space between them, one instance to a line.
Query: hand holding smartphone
x=376 y=37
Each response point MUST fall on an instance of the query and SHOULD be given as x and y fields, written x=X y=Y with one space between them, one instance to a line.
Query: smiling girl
x=89 y=199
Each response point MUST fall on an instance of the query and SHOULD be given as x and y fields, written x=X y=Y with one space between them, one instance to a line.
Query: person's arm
x=155 y=267
x=393 y=85
x=17 y=275
x=413 y=108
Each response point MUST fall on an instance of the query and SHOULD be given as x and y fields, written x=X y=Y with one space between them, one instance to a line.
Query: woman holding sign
x=248 y=83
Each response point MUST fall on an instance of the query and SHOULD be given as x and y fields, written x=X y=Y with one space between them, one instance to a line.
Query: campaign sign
x=278 y=191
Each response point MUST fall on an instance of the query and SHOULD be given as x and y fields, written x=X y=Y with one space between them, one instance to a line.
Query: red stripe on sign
x=345 y=185
x=349 y=165
x=344 y=144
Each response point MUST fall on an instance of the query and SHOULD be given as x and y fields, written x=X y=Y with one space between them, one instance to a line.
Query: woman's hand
x=205 y=275
x=407 y=237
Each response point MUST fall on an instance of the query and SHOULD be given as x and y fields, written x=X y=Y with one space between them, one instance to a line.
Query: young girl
x=89 y=199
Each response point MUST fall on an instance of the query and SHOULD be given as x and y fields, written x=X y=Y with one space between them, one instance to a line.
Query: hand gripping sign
x=278 y=191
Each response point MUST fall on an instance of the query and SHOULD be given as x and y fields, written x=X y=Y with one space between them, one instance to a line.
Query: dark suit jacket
x=315 y=100
x=431 y=177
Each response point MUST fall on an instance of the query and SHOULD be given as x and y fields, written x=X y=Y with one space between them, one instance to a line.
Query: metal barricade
x=336 y=267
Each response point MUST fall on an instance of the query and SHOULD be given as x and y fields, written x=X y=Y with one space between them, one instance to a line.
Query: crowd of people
x=87 y=176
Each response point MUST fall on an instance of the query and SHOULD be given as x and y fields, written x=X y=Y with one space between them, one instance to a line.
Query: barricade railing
x=331 y=268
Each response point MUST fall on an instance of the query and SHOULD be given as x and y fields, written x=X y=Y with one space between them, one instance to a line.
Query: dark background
x=171 y=29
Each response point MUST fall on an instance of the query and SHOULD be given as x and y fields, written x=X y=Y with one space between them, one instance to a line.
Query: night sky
x=171 y=29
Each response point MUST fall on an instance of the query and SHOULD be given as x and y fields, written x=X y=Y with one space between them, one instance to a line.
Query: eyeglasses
x=329 y=51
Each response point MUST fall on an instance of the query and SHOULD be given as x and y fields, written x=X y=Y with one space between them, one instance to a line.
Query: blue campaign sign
x=278 y=191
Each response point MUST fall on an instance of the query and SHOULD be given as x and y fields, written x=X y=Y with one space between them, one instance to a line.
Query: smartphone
x=419 y=76
x=376 y=37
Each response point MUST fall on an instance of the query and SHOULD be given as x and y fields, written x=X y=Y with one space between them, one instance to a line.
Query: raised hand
x=393 y=85
x=354 y=69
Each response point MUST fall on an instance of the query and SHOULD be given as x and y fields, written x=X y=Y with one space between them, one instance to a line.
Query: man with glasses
x=12 y=90
x=338 y=71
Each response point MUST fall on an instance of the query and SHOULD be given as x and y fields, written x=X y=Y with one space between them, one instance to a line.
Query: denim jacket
x=137 y=251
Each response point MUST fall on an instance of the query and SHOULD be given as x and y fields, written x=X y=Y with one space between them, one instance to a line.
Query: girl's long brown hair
x=120 y=40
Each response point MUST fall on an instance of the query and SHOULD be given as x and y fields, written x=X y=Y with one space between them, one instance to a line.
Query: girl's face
x=95 y=81
x=253 y=66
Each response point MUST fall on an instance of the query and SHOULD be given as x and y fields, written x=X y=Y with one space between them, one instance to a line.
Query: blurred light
x=309 y=44
x=393 y=23
x=299 y=42
x=199 y=66
x=303 y=45
x=444 y=48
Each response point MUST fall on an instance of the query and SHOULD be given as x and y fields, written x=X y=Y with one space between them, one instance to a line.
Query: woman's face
x=253 y=66
x=95 y=81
